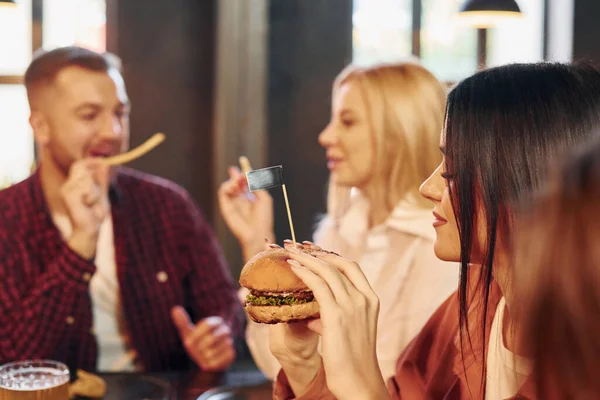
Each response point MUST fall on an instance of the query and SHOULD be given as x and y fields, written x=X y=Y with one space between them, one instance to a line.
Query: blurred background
x=224 y=78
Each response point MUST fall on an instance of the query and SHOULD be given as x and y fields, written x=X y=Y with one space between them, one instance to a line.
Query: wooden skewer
x=289 y=213
x=246 y=167
x=139 y=151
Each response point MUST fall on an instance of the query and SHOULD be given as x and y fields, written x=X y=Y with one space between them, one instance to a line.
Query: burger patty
x=278 y=298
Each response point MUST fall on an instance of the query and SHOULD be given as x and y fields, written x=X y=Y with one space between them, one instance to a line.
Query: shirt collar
x=405 y=217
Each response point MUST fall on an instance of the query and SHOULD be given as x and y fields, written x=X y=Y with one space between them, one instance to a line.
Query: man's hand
x=85 y=195
x=208 y=343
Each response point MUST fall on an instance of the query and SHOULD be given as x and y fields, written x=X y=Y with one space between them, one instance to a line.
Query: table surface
x=244 y=380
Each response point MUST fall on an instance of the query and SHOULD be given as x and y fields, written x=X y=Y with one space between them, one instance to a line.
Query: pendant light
x=488 y=13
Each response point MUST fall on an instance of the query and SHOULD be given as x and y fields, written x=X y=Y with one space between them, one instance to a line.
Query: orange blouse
x=432 y=367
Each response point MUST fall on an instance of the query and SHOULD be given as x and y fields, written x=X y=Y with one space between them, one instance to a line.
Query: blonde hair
x=405 y=108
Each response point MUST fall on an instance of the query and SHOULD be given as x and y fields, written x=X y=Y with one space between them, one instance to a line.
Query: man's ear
x=41 y=130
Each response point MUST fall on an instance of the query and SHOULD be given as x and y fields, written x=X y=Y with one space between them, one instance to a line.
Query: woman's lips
x=438 y=221
x=333 y=163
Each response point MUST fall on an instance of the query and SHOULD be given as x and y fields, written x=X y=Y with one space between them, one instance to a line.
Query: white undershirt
x=506 y=371
x=114 y=352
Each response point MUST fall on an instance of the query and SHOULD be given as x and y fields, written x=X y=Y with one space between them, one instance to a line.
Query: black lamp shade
x=490 y=5
x=7 y=2
x=488 y=13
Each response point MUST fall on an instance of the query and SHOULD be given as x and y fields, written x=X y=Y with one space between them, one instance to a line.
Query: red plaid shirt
x=166 y=255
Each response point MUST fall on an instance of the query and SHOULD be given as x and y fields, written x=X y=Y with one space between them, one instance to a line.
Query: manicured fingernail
x=288 y=241
x=274 y=246
x=323 y=253
x=294 y=263
x=307 y=242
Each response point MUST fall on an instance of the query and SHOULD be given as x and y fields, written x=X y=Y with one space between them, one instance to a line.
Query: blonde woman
x=381 y=144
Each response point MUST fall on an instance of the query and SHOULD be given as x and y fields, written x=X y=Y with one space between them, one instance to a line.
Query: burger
x=276 y=295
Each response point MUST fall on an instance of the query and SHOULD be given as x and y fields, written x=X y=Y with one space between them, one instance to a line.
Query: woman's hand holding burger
x=349 y=310
x=278 y=297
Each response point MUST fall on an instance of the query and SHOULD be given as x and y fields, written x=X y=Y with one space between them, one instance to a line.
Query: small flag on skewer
x=267 y=178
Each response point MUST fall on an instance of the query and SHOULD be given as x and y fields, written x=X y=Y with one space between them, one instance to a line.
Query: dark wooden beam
x=545 y=29
x=37 y=24
x=168 y=54
x=240 y=99
x=310 y=42
x=482 y=48
x=417 y=13
x=586 y=31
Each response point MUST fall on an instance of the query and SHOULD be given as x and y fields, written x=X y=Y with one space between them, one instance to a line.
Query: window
x=520 y=40
x=448 y=49
x=15 y=45
x=62 y=23
x=16 y=139
x=383 y=31
x=75 y=22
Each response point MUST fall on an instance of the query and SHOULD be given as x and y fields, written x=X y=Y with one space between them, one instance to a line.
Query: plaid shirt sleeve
x=51 y=303
x=212 y=290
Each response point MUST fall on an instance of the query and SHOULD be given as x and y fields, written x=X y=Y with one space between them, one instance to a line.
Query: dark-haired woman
x=557 y=279
x=504 y=126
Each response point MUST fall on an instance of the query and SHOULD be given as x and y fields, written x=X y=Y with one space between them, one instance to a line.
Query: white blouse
x=506 y=371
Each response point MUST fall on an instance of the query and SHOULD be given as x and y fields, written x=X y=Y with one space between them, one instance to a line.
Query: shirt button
x=162 y=277
x=70 y=320
x=87 y=276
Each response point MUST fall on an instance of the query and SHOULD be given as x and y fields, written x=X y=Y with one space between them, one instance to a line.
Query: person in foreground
x=381 y=143
x=503 y=127
x=105 y=269
x=558 y=279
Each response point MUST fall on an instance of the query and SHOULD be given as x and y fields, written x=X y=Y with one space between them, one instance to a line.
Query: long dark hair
x=504 y=126
x=557 y=281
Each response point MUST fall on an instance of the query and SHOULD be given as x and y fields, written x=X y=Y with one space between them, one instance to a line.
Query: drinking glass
x=34 y=380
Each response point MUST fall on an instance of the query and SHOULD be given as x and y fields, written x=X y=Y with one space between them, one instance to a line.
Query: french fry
x=245 y=165
x=139 y=151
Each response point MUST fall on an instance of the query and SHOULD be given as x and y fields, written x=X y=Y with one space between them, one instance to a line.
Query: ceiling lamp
x=488 y=13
